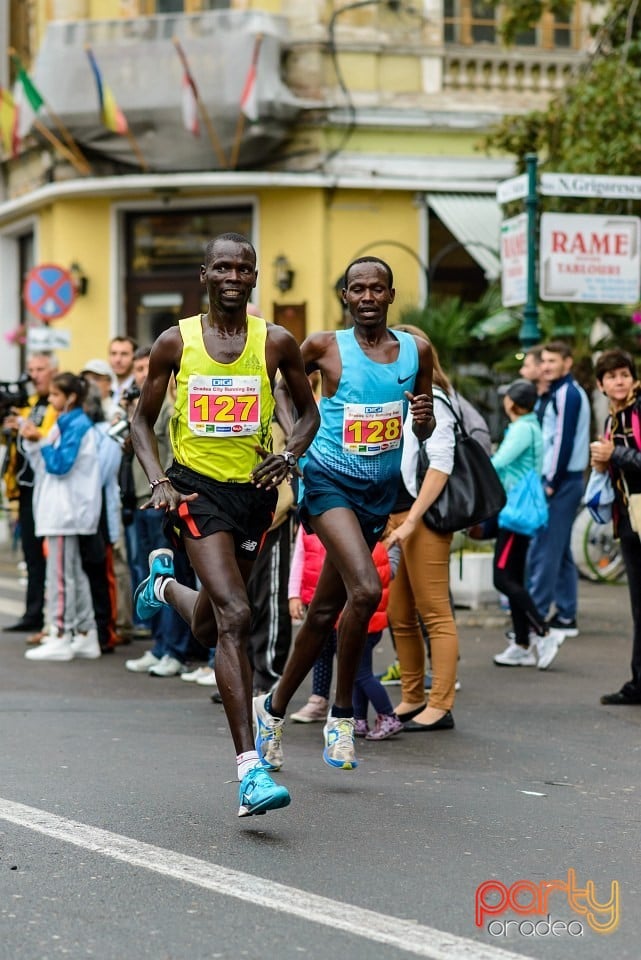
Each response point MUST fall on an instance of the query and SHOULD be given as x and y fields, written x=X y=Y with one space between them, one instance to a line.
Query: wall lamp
x=283 y=274
x=79 y=279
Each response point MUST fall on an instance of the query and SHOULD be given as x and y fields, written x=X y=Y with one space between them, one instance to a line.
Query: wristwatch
x=289 y=459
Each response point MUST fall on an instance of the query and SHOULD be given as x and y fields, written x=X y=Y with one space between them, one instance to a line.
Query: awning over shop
x=475 y=220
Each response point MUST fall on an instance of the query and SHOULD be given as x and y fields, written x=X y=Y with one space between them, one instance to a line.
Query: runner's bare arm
x=163 y=360
x=285 y=352
x=313 y=351
x=421 y=401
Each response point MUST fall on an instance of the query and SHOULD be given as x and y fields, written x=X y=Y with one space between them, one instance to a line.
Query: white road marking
x=13 y=607
x=403 y=934
x=13 y=584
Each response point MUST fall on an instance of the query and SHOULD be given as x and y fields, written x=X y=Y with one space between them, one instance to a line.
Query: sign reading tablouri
x=589 y=259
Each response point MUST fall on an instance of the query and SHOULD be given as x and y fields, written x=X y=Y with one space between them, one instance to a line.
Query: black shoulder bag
x=473 y=492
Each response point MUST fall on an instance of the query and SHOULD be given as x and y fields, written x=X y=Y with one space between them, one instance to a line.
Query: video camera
x=131 y=393
x=13 y=393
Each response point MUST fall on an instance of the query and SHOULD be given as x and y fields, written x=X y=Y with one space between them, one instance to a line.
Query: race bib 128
x=370 y=428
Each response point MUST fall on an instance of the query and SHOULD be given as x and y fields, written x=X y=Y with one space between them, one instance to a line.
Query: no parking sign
x=49 y=291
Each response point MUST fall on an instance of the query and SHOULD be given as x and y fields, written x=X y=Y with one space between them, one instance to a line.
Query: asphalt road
x=119 y=836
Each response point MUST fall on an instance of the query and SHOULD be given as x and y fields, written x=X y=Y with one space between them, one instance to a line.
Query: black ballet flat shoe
x=446 y=722
x=620 y=699
x=23 y=626
x=404 y=717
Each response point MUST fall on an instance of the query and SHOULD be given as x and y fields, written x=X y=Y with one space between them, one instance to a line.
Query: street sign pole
x=530 y=332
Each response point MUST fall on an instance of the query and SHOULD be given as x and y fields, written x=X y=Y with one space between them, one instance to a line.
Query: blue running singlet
x=360 y=439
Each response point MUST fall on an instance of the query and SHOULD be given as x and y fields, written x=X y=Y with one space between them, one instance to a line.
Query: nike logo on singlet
x=405 y=379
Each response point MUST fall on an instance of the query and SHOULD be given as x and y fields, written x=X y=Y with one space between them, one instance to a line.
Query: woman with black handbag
x=420 y=588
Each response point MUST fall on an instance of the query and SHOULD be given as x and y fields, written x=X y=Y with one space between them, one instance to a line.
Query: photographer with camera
x=19 y=480
x=125 y=547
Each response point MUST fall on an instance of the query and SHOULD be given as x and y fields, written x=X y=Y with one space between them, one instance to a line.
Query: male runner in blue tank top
x=220 y=491
x=369 y=375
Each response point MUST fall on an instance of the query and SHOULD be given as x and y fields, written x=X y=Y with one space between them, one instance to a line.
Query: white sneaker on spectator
x=549 y=647
x=142 y=664
x=85 y=645
x=516 y=656
x=191 y=676
x=314 y=710
x=168 y=667
x=208 y=679
x=54 y=648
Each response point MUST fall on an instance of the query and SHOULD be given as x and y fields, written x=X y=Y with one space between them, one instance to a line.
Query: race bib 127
x=223 y=406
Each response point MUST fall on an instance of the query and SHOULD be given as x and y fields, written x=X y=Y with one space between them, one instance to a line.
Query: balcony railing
x=510 y=71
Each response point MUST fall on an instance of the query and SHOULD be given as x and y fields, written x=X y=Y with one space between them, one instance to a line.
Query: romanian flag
x=8 y=124
x=110 y=113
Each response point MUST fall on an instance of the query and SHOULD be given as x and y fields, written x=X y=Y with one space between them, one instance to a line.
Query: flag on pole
x=249 y=96
x=8 y=123
x=110 y=113
x=28 y=99
x=190 y=96
x=190 y=106
x=33 y=95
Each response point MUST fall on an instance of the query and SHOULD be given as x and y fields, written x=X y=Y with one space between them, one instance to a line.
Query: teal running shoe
x=339 y=749
x=161 y=564
x=269 y=731
x=258 y=793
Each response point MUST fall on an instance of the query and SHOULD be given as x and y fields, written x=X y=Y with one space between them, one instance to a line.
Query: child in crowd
x=306 y=566
x=67 y=506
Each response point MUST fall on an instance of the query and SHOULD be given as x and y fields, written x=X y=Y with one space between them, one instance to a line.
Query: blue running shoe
x=161 y=564
x=269 y=731
x=258 y=793
x=339 y=743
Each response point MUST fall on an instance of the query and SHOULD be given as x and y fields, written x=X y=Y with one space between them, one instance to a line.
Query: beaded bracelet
x=155 y=483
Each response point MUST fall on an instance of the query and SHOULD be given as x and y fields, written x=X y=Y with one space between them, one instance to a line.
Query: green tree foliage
x=594 y=125
x=518 y=15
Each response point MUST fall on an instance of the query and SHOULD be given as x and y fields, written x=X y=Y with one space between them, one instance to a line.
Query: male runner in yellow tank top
x=220 y=492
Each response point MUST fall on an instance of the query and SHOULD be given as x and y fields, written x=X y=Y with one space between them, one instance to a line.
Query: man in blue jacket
x=564 y=411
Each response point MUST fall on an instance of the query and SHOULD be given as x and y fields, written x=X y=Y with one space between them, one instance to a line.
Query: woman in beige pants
x=420 y=588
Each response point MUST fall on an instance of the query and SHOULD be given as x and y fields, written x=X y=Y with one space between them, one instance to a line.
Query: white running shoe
x=142 y=664
x=167 y=667
x=339 y=749
x=516 y=656
x=269 y=731
x=549 y=647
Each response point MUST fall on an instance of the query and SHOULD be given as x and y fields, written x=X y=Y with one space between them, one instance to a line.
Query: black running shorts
x=241 y=508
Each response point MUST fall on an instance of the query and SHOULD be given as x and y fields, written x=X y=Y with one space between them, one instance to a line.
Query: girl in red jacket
x=306 y=565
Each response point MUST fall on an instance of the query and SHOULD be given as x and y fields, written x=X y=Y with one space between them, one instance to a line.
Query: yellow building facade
x=361 y=141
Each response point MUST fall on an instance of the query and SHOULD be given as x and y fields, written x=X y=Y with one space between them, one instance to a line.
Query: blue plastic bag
x=526 y=510
x=599 y=496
